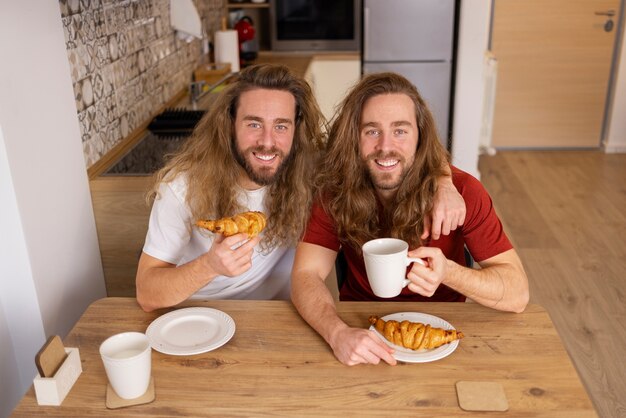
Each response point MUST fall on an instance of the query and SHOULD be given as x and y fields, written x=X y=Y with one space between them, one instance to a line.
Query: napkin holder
x=53 y=390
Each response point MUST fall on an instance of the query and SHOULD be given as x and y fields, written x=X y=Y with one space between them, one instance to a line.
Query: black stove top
x=168 y=131
x=147 y=157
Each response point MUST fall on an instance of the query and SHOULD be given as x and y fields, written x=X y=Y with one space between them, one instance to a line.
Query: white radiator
x=490 y=73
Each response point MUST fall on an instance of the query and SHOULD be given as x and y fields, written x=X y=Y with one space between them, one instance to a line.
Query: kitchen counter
x=148 y=155
x=297 y=62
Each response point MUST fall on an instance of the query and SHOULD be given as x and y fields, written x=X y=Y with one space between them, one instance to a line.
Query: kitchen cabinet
x=330 y=77
x=121 y=214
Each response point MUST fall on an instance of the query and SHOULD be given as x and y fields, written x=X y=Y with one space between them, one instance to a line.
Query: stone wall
x=126 y=62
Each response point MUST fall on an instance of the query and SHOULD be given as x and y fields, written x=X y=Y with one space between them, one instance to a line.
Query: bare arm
x=501 y=283
x=161 y=284
x=313 y=300
x=448 y=209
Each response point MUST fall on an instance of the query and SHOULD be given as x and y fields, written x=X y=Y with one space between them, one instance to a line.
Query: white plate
x=421 y=356
x=190 y=331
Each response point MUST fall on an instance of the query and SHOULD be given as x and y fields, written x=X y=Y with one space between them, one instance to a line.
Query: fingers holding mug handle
x=410 y=260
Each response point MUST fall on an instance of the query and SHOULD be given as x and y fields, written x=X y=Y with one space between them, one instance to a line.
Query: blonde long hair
x=345 y=186
x=207 y=158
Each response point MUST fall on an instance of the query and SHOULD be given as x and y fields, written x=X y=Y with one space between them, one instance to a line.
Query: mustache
x=264 y=150
x=381 y=155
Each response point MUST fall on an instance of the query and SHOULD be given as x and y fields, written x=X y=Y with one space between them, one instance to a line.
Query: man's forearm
x=160 y=287
x=502 y=286
x=315 y=304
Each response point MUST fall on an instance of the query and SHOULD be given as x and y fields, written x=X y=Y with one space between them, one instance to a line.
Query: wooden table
x=277 y=365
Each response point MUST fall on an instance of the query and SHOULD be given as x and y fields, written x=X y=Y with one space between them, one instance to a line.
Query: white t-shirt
x=172 y=238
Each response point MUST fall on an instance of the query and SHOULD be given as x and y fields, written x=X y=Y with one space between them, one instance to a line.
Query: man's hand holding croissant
x=228 y=256
x=235 y=239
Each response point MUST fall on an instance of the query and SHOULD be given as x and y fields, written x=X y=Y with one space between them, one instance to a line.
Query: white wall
x=49 y=257
x=18 y=299
x=468 y=104
x=616 y=131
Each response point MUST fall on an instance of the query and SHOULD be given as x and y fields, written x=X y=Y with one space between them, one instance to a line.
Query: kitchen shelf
x=247 y=5
x=260 y=15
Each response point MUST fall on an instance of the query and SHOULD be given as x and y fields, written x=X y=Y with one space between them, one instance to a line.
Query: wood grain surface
x=566 y=214
x=298 y=63
x=276 y=365
x=121 y=213
x=554 y=63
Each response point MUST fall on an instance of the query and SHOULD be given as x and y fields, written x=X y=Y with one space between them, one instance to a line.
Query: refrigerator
x=414 y=38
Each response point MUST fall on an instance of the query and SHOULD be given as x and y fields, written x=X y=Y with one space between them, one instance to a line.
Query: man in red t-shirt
x=381 y=168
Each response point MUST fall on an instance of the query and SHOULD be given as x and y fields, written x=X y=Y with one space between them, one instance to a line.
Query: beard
x=262 y=176
x=383 y=180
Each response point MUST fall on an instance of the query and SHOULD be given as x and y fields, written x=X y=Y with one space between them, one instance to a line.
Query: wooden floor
x=566 y=214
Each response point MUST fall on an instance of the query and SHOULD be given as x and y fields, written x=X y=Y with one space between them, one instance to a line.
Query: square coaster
x=50 y=357
x=481 y=396
x=113 y=401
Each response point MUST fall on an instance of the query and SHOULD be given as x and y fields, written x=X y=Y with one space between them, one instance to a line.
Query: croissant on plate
x=414 y=335
x=251 y=223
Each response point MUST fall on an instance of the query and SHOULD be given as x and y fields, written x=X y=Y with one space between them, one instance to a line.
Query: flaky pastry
x=414 y=335
x=251 y=223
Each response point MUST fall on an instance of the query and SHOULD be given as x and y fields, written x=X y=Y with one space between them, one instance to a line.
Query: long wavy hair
x=345 y=186
x=207 y=158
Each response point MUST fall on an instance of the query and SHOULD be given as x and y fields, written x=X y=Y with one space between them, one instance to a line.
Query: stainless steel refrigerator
x=414 y=38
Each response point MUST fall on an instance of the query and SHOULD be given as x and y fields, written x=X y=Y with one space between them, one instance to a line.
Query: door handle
x=609 y=13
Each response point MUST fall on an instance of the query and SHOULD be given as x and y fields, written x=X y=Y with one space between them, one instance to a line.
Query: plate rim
x=419 y=357
x=216 y=314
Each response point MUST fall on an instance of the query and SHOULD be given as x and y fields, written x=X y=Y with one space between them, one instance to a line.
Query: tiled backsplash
x=126 y=62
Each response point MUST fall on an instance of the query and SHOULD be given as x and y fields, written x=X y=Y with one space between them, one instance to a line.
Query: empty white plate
x=190 y=331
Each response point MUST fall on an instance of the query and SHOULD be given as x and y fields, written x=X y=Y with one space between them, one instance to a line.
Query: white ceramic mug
x=386 y=261
x=127 y=362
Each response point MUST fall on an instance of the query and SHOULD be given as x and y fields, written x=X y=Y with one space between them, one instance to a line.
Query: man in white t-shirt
x=256 y=149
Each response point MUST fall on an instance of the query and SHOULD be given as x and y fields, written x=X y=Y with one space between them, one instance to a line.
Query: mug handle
x=410 y=260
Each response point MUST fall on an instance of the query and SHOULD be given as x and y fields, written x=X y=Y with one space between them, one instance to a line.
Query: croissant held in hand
x=414 y=335
x=251 y=223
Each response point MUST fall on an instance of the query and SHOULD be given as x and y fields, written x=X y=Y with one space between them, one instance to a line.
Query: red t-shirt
x=481 y=232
